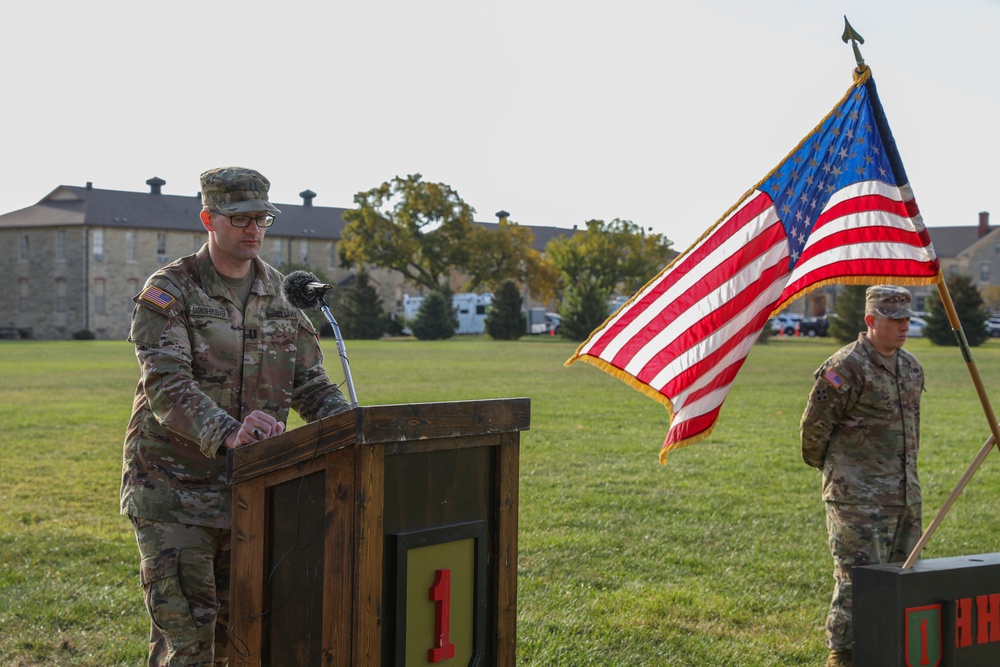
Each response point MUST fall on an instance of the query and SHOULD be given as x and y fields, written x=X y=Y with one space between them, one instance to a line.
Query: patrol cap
x=888 y=301
x=236 y=190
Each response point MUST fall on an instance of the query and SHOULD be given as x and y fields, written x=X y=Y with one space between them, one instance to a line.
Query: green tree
x=969 y=307
x=363 y=317
x=436 y=318
x=584 y=308
x=505 y=321
x=619 y=253
x=507 y=253
x=408 y=225
x=849 y=314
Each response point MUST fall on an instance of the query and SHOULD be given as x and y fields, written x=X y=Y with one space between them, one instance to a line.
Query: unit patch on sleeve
x=157 y=297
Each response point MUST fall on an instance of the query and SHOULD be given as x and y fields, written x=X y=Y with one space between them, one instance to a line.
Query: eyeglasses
x=243 y=221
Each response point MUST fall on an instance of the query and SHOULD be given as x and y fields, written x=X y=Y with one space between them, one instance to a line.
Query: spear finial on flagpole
x=850 y=34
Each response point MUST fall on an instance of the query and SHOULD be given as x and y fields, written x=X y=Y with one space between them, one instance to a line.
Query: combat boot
x=839 y=658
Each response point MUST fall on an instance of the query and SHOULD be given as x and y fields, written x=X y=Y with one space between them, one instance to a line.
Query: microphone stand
x=341 y=350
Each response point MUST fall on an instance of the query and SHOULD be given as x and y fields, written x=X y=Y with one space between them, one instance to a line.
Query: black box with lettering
x=942 y=612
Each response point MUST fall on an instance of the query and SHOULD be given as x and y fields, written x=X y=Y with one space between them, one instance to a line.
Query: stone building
x=73 y=261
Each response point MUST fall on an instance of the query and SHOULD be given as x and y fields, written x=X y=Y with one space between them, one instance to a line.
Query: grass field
x=718 y=558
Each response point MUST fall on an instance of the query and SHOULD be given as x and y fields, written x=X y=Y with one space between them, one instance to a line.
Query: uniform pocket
x=165 y=600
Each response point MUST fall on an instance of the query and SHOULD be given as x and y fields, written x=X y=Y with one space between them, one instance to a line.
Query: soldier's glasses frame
x=243 y=221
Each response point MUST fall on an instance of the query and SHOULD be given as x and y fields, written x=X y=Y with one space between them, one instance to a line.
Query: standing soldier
x=223 y=357
x=861 y=427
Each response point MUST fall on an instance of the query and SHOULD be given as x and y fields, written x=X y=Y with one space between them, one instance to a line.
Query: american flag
x=156 y=296
x=838 y=209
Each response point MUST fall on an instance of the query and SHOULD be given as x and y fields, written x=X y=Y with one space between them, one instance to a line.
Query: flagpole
x=851 y=35
x=963 y=343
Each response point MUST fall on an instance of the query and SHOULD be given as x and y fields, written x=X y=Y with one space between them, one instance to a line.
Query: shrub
x=849 y=313
x=505 y=321
x=436 y=318
x=585 y=307
x=969 y=307
x=363 y=315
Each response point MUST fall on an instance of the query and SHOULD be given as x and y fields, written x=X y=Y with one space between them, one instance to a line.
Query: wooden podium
x=384 y=535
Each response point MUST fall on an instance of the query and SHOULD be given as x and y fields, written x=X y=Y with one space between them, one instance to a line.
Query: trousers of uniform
x=185 y=579
x=863 y=535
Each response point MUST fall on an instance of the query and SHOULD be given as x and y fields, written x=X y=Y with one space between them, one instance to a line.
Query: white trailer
x=470 y=308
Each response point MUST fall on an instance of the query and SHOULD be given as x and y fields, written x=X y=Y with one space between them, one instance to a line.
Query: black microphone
x=304 y=291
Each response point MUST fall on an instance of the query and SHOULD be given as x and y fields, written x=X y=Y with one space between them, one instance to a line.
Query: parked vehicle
x=784 y=323
x=993 y=327
x=917 y=325
x=814 y=326
x=471 y=310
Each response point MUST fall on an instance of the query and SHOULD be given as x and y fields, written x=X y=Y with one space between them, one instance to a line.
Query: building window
x=61 y=245
x=304 y=251
x=98 y=238
x=60 y=295
x=330 y=256
x=952 y=270
x=161 y=247
x=130 y=245
x=24 y=248
x=23 y=305
x=100 y=297
x=277 y=252
x=984 y=272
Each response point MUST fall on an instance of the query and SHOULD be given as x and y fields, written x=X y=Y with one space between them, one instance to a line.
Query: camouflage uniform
x=205 y=365
x=861 y=427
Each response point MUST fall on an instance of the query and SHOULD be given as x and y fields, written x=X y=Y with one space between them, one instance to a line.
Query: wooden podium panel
x=347 y=531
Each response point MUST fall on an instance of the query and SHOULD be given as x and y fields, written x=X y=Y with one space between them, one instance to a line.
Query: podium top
x=922 y=566
x=368 y=425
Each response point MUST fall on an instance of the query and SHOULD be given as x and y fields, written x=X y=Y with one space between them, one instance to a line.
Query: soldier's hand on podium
x=257 y=426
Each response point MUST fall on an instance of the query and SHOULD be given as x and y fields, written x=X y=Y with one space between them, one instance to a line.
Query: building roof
x=89 y=206
x=951 y=241
x=94 y=207
x=542 y=234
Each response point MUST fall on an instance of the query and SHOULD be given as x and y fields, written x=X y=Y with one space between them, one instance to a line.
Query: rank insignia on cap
x=157 y=297
x=833 y=377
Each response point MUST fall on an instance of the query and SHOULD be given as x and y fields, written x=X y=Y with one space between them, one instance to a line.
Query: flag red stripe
x=862 y=204
x=878 y=239
x=671 y=276
x=705 y=327
x=691 y=428
x=683 y=303
x=723 y=378
x=861 y=268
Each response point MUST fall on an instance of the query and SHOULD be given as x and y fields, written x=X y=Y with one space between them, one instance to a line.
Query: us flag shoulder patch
x=834 y=378
x=157 y=297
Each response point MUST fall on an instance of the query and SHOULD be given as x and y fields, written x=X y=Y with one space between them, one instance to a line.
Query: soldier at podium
x=223 y=357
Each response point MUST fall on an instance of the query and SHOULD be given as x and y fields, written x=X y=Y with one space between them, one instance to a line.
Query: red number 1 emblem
x=440 y=594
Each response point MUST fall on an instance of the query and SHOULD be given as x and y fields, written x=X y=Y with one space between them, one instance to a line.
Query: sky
x=662 y=113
